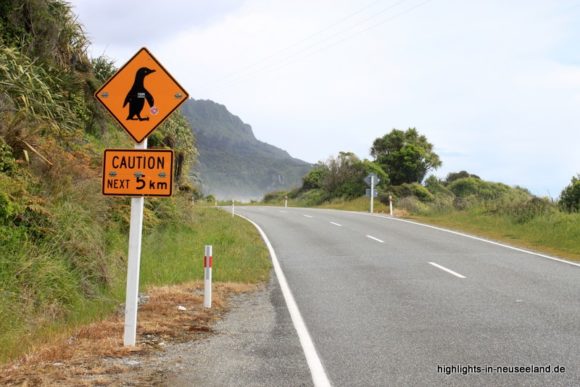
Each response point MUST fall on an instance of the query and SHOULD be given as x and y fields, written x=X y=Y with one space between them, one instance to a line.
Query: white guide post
x=207 y=263
x=233 y=209
x=372 y=192
x=286 y=202
x=134 y=263
x=391 y=204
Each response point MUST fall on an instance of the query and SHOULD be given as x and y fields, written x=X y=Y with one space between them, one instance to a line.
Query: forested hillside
x=62 y=243
x=232 y=162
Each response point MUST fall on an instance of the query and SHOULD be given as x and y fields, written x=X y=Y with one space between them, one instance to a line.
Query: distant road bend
x=388 y=302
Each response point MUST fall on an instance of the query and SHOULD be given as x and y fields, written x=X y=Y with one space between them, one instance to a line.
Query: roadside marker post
x=233 y=208
x=286 y=201
x=207 y=264
x=391 y=205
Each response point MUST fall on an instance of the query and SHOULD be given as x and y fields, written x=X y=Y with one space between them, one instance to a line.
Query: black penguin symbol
x=137 y=96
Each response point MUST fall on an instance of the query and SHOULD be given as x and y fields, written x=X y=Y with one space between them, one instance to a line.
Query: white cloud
x=494 y=85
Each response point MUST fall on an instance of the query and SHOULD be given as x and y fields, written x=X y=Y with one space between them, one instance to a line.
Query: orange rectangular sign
x=136 y=172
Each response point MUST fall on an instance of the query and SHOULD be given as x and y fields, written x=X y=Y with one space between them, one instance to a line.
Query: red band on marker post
x=207 y=261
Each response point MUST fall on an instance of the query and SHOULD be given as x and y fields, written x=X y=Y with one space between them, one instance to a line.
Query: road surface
x=388 y=302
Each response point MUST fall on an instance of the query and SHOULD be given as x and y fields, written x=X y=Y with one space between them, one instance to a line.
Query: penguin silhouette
x=137 y=95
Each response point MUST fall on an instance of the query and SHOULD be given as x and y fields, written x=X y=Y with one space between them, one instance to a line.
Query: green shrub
x=525 y=211
x=483 y=190
x=413 y=189
x=274 y=197
x=7 y=161
x=412 y=205
x=570 y=196
x=315 y=197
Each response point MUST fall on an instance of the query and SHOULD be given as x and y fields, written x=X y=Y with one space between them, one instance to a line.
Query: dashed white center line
x=336 y=224
x=307 y=216
x=447 y=270
x=375 y=239
x=284 y=212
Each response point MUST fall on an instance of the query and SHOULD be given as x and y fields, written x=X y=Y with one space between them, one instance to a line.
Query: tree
x=315 y=177
x=570 y=196
x=345 y=176
x=406 y=156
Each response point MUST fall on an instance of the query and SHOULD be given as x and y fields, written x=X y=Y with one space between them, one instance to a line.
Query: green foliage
x=345 y=176
x=7 y=160
x=413 y=189
x=437 y=187
x=406 y=156
x=570 y=196
x=372 y=167
x=31 y=94
x=175 y=133
x=451 y=177
x=530 y=209
x=275 y=197
x=484 y=190
x=315 y=178
x=7 y=208
x=103 y=69
x=173 y=253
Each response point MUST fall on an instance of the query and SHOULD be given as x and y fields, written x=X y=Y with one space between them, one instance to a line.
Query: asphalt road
x=391 y=303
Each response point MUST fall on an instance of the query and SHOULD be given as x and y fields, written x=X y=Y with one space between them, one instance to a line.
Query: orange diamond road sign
x=141 y=95
x=135 y=172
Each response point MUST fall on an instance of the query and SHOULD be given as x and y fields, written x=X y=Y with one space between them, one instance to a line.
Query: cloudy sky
x=494 y=85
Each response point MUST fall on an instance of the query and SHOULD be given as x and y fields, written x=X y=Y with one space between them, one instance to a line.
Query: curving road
x=388 y=302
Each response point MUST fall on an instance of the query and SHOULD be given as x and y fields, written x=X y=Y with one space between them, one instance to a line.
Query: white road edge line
x=447 y=270
x=336 y=224
x=484 y=240
x=375 y=239
x=307 y=216
x=319 y=376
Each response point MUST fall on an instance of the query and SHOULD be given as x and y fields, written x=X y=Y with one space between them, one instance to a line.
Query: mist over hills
x=232 y=163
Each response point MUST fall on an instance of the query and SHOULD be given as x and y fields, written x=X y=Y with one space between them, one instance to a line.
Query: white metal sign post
x=371 y=180
x=134 y=263
x=372 y=192
x=125 y=95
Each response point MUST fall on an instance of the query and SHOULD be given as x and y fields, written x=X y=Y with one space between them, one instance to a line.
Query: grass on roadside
x=172 y=253
x=555 y=233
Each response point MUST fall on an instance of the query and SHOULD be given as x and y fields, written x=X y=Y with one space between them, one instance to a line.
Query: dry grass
x=84 y=358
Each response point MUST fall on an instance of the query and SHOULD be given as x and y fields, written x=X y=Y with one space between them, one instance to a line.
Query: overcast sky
x=494 y=85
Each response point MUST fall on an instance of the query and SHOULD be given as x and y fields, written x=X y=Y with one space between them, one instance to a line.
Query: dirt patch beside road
x=95 y=355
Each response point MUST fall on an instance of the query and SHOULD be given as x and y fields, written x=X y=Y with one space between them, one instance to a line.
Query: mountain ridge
x=233 y=163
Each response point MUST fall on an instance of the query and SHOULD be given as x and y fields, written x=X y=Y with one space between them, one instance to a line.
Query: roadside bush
x=315 y=197
x=437 y=187
x=570 y=196
x=276 y=196
x=413 y=189
x=484 y=190
x=412 y=205
x=525 y=211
